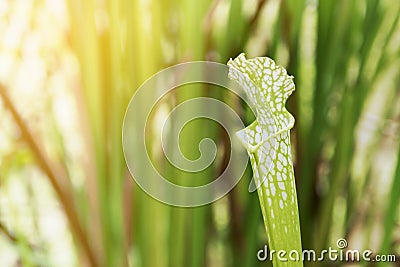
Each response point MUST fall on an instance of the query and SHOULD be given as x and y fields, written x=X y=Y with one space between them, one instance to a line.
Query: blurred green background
x=68 y=69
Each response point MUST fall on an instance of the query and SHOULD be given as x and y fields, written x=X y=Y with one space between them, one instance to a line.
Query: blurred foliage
x=69 y=68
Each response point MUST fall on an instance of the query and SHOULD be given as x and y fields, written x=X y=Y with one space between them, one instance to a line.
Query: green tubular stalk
x=267 y=141
x=392 y=208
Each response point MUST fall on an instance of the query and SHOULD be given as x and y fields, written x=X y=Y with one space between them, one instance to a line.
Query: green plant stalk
x=251 y=236
x=151 y=217
x=267 y=141
x=391 y=212
x=191 y=251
